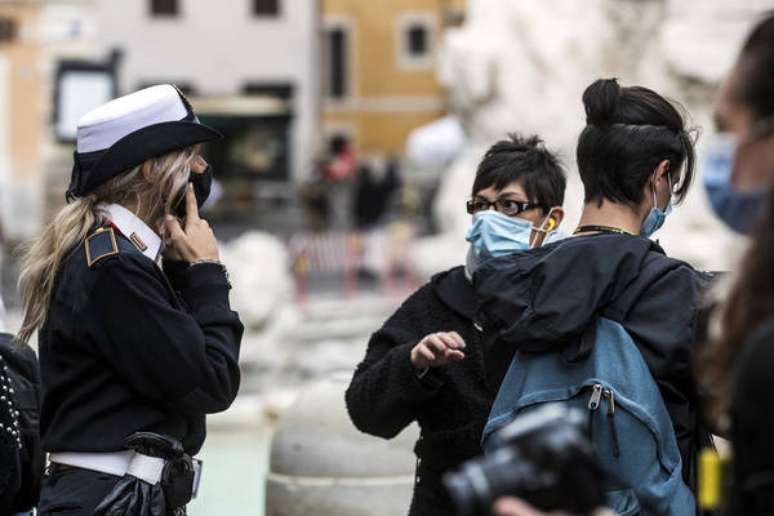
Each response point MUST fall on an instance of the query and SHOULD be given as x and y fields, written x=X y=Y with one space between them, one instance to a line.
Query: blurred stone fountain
x=286 y=343
x=523 y=66
x=320 y=464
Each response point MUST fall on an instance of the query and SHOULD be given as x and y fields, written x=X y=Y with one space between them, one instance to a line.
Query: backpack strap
x=102 y=244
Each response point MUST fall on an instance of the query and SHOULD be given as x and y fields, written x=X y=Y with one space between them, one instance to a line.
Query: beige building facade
x=378 y=69
x=33 y=35
x=21 y=116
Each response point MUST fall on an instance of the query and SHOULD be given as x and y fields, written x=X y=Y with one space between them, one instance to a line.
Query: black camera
x=543 y=457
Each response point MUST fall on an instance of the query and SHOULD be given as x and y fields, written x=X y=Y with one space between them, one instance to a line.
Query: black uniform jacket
x=450 y=403
x=128 y=348
x=544 y=299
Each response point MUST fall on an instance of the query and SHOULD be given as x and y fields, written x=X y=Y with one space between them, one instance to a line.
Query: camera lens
x=543 y=457
x=476 y=486
x=462 y=493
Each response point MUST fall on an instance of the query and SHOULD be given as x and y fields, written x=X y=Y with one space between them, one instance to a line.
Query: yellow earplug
x=551 y=224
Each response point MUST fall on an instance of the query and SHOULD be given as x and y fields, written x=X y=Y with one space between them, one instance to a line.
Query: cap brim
x=149 y=142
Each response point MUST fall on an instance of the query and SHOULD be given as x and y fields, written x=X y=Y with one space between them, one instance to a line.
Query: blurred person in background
x=339 y=173
x=314 y=199
x=739 y=361
x=375 y=190
x=634 y=157
x=373 y=193
x=136 y=337
x=430 y=362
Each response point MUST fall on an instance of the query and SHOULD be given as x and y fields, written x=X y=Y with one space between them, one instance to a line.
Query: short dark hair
x=629 y=132
x=755 y=88
x=528 y=162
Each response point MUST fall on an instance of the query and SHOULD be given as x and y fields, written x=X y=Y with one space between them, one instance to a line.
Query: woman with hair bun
x=635 y=156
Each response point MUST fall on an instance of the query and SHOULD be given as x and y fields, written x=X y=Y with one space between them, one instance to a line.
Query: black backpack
x=21 y=457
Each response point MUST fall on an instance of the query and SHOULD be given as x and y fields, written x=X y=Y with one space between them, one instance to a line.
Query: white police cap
x=126 y=131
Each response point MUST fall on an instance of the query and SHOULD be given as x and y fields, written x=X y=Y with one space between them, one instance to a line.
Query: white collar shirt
x=132 y=227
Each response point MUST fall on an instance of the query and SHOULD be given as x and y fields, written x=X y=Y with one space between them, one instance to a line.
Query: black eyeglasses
x=507 y=207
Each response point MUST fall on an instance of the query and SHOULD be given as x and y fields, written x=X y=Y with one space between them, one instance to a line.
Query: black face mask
x=202 y=184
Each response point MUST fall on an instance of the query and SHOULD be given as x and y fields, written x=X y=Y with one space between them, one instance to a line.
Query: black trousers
x=73 y=491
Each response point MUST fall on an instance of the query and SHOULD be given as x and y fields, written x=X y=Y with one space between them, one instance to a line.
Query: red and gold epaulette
x=100 y=245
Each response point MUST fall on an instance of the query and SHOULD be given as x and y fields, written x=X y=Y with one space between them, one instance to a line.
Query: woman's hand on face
x=169 y=252
x=517 y=507
x=193 y=241
x=437 y=349
x=198 y=166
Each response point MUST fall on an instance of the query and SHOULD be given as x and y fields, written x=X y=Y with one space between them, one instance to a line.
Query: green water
x=235 y=466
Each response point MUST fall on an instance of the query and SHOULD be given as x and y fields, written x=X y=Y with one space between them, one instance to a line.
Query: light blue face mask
x=493 y=234
x=657 y=216
x=737 y=208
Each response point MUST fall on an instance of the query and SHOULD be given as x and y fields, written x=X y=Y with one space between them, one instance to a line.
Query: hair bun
x=601 y=101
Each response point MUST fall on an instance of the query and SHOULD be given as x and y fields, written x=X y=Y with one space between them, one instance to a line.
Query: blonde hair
x=43 y=256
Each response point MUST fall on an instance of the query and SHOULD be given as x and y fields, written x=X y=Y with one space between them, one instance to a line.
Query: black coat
x=544 y=299
x=127 y=347
x=451 y=403
x=752 y=425
x=21 y=468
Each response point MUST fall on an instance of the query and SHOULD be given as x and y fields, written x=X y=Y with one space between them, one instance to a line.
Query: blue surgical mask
x=739 y=209
x=493 y=234
x=656 y=217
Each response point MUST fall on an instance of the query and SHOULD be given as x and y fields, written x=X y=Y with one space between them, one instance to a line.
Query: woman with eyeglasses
x=430 y=362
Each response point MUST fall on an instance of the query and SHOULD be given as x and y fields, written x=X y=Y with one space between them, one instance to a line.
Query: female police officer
x=132 y=355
